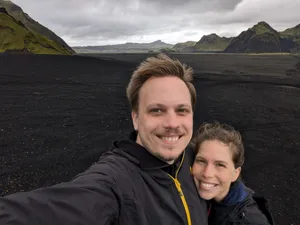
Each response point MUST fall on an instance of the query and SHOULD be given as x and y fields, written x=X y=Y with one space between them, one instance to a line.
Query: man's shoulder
x=111 y=165
x=116 y=158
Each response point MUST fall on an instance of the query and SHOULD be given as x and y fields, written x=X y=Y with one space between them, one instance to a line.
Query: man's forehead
x=164 y=85
x=166 y=98
x=165 y=91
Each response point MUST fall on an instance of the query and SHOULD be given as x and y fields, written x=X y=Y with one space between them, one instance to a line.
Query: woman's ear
x=236 y=174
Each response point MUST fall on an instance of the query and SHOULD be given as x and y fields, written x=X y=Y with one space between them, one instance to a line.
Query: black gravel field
x=59 y=113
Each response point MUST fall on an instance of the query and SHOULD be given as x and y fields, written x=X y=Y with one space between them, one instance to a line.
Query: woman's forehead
x=215 y=150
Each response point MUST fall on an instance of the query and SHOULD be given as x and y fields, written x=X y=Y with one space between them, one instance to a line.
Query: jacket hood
x=139 y=154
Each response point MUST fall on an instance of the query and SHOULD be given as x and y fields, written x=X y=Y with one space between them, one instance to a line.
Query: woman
x=219 y=157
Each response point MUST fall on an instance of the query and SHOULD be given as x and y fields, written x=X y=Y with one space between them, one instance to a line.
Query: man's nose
x=171 y=121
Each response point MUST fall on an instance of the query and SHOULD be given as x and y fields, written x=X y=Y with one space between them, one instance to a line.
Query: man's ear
x=135 y=119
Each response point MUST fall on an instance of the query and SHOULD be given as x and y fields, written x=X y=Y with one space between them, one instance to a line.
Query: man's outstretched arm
x=91 y=198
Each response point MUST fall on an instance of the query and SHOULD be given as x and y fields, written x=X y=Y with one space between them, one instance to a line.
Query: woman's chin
x=206 y=197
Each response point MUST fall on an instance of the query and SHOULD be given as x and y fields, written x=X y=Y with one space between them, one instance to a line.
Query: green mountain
x=155 y=46
x=14 y=36
x=184 y=46
x=35 y=28
x=212 y=42
x=262 y=38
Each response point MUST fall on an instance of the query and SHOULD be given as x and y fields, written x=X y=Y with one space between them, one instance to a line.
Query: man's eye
x=155 y=110
x=183 y=110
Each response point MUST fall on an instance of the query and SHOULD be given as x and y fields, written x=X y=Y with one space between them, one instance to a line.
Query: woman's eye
x=201 y=161
x=220 y=165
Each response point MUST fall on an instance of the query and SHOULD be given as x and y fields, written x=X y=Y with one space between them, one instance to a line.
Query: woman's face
x=214 y=170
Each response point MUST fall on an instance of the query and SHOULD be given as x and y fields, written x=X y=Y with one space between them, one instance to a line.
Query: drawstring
x=209 y=209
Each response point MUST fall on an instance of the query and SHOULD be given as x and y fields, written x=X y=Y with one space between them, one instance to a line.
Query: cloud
x=274 y=12
x=92 y=22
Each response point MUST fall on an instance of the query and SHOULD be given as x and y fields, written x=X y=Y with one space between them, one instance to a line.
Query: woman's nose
x=208 y=171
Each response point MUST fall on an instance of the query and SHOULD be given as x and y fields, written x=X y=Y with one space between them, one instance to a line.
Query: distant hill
x=184 y=46
x=212 y=42
x=262 y=38
x=33 y=28
x=295 y=31
x=291 y=39
x=155 y=46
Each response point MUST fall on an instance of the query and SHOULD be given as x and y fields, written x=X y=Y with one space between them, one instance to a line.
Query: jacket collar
x=146 y=159
x=237 y=193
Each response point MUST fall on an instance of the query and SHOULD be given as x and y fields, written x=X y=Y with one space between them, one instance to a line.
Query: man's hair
x=223 y=133
x=159 y=66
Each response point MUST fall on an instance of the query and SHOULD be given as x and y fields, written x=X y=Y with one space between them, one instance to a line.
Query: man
x=142 y=181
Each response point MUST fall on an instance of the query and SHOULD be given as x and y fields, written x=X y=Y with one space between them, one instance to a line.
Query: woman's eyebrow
x=199 y=157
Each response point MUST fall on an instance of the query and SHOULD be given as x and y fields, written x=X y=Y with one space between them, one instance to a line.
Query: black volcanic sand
x=59 y=113
x=237 y=64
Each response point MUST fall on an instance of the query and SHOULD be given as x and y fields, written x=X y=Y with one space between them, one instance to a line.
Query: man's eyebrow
x=184 y=105
x=222 y=162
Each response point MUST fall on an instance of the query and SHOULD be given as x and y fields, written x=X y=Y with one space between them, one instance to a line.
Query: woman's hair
x=223 y=133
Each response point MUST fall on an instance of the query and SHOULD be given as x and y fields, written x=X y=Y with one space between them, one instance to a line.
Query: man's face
x=164 y=120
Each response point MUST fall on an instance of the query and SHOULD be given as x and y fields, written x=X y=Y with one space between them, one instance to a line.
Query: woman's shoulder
x=255 y=210
x=241 y=206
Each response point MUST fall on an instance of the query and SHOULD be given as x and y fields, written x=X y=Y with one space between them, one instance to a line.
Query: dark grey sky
x=99 y=22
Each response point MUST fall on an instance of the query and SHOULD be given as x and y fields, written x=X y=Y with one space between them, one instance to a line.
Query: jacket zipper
x=178 y=186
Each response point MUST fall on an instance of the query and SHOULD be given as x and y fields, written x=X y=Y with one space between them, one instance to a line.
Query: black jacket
x=252 y=210
x=127 y=186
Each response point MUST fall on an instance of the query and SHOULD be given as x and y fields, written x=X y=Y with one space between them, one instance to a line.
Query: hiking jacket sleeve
x=90 y=198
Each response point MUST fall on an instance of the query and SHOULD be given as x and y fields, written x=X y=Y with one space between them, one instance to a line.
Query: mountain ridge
x=262 y=38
